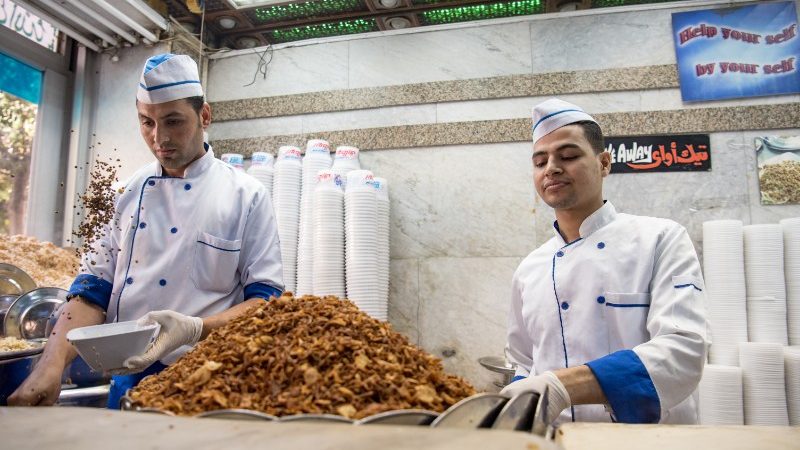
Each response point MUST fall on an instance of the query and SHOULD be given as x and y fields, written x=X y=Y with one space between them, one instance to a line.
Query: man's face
x=174 y=132
x=567 y=173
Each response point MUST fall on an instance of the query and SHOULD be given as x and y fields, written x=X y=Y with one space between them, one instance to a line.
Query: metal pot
x=14 y=370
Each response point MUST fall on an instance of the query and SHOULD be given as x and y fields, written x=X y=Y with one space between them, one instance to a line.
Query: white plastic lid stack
x=345 y=160
x=234 y=159
x=763 y=261
x=720 y=401
x=791 y=267
x=329 y=262
x=262 y=169
x=317 y=158
x=382 y=189
x=361 y=243
x=723 y=270
x=764 y=384
x=766 y=320
x=791 y=358
x=286 y=202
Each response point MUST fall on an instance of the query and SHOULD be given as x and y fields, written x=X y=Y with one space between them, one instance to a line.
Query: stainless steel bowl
x=28 y=316
x=5 y=302
x=14 y=281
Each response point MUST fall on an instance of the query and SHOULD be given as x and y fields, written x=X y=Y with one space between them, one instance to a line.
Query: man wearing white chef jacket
x=608 y=314
x=193 y=242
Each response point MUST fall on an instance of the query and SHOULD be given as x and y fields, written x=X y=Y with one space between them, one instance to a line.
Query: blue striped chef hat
x=168 y=77
x=553 y=114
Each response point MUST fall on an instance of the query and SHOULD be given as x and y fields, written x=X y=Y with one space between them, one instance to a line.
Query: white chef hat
x=553 y=114
x=168 y=77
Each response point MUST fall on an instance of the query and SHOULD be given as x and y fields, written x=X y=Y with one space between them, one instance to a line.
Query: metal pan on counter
x=522 y=412
x=29 y=315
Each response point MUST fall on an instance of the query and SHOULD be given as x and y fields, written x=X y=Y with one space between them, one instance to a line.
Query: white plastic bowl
x=105 y=347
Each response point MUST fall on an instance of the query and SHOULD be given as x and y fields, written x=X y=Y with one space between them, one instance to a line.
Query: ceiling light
x=247 y=42
x=227 y=22
x=397 y=23
x=389 y=4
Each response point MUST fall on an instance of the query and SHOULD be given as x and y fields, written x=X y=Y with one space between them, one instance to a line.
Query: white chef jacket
x=197 y=245
x=626 y=299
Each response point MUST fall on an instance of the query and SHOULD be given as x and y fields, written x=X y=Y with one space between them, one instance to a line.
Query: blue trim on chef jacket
x=687 y=285
x=133 y=238
x=628 y=305
x=121 y=383
x=628 y=387
x=95 y=290
x=261 y=290
x=219 y=248
x=517 y=378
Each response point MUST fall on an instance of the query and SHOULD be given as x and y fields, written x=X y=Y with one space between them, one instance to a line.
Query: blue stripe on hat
x=554 y=114
x=162 y=86
x=154 y=61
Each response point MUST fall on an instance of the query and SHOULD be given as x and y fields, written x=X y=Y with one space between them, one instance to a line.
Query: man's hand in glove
x=557 y=395
x=176 y=330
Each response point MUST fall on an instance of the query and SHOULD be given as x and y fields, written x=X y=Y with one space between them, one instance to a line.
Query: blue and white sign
x=745 y=51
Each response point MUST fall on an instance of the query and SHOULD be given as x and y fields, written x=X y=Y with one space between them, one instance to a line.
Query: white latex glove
x=176 y=330
x=557 y=396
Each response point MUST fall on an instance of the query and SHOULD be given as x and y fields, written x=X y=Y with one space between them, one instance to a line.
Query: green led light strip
x=481 y=12
x=323 y=30
x=309 y=9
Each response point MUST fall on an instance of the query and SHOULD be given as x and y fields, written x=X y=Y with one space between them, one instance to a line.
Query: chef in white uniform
x=193 y=242
x=608 y=314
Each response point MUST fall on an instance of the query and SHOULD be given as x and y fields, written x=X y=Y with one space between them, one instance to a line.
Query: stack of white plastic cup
x=720 y=396
x=382 y=189
x=766 y=286
x=262 y=169
x=361 y=242
x=317 y=158
x=345 y=160
x=723 y=269
x=791 y=259
x=329 y=265
x=234 y=159
x=286 y=201
x=763 y=380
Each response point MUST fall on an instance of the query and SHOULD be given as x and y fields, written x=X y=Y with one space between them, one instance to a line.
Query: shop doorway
x=20 y=92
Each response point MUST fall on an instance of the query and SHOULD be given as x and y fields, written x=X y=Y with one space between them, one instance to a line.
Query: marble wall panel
x=249 y=128
x=404 y=297
x=624 y=39
x=471 y=200
x=463 y=312
x=469 y=52
x=292 y=70
x=369 y=118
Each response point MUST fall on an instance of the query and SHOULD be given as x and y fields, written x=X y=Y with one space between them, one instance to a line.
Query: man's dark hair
x=197 y=104
x=593 y=134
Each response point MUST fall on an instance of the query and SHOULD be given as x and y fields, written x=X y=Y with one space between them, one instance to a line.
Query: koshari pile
x=48 y=265
x=303 y=355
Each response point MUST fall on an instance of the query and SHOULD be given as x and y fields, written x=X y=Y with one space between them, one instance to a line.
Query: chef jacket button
x=162 y=282
x=173 y=230
x=601 y=299
x=187 y=186
x=142 y=225
x=564 y=306
x=601 y=245
x=151 y=182
x=129 y=280
x=560 y=254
